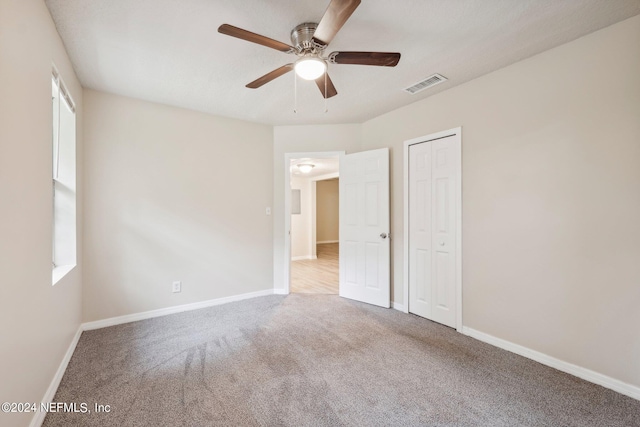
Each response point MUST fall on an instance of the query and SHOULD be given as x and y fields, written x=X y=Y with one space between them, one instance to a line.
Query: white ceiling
x=322 y=167
x=169 y=51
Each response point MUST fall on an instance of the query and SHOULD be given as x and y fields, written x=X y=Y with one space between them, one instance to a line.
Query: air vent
x=426 y=83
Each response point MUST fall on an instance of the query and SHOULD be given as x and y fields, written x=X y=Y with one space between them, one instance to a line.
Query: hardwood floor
x=317 y=276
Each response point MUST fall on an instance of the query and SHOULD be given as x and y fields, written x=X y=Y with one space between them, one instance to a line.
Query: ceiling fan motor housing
x=302 y=38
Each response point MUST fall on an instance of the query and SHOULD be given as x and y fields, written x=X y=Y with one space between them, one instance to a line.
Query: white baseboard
x=569 y=368
x=38 y=418
x=280 y=292
x=112 y=321
x=397 y=306
x=324 y=242
x=303 y=257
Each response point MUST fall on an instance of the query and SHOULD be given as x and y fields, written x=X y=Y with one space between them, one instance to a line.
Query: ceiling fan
x=309 y=41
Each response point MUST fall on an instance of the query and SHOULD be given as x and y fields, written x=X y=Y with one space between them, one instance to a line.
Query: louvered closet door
x=433 y=171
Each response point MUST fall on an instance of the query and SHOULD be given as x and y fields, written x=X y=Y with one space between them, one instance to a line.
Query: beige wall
x=38 y=320
x=301 y=235
x=327 y=210
x=551 y=198
x=551 y=201
x=172 y=194
x=299 y=139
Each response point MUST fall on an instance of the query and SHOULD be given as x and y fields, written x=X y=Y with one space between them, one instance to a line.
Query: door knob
x=383 y=235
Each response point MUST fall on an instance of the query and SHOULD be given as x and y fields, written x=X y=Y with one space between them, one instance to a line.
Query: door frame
x=287 y=204
x=457 y=134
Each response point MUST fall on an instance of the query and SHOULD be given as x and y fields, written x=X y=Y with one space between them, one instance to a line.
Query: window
x=64 y=179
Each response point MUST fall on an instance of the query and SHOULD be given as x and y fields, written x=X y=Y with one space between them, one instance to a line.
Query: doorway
x=364 y=219
x=314 y=224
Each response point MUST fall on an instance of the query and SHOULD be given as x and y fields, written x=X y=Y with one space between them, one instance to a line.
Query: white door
x=433 y=187
x=364 y=227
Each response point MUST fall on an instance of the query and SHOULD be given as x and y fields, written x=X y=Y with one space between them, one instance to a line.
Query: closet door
x=433 y=173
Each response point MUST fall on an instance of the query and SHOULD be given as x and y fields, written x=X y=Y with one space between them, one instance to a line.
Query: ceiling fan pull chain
x=295 y=93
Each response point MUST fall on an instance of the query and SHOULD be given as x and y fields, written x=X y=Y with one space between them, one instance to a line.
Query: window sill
x=60 y=271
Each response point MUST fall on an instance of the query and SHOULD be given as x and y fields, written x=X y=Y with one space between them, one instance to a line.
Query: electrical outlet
x=177 y=287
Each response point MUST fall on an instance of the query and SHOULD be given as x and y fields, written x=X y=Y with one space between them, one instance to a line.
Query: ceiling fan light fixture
x=310 y=68
x=305 y=167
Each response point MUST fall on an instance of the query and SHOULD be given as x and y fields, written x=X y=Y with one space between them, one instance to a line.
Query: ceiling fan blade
x=330 y=88
x=333 y=19
x=232 y=31
x=270 y=76
x=383 y=59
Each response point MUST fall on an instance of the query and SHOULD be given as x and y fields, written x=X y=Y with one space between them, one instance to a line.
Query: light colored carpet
x=318 y=360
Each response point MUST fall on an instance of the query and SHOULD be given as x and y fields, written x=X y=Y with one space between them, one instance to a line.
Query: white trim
x=55 y=74
x=39 y=416
x=303 y=257
x=313 y=249
x=459 y=233
x=457 y=132
x=60 y=271
x=405 y=231
x=326 y=242
x=578 y=371
x=397 y=306
x=285 y=289
x=112 y=321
